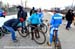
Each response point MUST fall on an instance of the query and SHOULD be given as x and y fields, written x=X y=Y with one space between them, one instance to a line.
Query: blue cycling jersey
x=56 y=20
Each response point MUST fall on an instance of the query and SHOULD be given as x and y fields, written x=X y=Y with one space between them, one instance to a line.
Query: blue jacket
x=40 y=15
x=34 y=19
x=56 y=20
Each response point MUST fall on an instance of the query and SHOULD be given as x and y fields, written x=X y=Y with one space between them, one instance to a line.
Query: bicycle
x=3 y=31
x=27 y=33
x=43 y=26
x=57 y=45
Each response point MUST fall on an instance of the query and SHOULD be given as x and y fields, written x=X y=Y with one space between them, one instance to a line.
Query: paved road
x=67 y=39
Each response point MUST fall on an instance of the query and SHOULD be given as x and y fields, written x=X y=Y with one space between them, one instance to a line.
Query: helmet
x=57 y=10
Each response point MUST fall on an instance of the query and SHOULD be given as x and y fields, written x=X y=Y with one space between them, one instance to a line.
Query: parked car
x=2 y=13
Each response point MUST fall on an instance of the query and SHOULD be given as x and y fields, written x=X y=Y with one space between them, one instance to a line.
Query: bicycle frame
x=36 y=28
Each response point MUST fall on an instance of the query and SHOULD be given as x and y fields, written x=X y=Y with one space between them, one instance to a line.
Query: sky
x=44 y=4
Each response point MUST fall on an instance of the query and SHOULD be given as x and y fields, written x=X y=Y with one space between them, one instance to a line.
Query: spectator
x=32 y=11
x=69 y=18
x=21 y=14
x=11 y=25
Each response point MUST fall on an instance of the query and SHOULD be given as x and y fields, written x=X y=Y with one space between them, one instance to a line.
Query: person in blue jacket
x=55 y=24
x=40 y=13
x=34 y=20
x=11 y=26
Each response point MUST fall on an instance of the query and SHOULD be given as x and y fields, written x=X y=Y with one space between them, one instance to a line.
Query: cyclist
x=55 y=24
x=11 y=26
x=34 y=20
x=39 y=11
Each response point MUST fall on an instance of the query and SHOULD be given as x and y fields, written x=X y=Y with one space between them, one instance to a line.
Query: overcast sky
x=47 y=4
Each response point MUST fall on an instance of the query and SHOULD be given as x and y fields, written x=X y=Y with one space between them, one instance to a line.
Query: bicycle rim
x=1 y=34
x=24 y=33
x=44 y=28
x=40 y=40
x=6 y=31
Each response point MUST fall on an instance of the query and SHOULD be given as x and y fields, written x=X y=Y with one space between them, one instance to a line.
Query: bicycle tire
x=44 y=25
x=59 y=47
x=54 y=39
x=25 y=33
x=42 y=41
x=6 y=31
x=1 y=33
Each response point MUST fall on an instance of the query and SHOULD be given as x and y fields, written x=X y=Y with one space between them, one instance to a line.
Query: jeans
x=12 y=31
x=68 y=24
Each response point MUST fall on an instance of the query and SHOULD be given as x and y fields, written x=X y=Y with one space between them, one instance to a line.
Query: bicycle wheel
x=5 y=31
x=1 y=33
x=24 y=32
x=54 y=44
x=41 y=39
x=44 y=28
x=59 y=45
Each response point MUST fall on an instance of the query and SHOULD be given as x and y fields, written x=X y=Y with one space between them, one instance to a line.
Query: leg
x=32 y=33
x=24 y=23
x=51 y=38
x=37 y=32
x=11 y=31
x=70 y=24
x=22 y=27
x=67 y=24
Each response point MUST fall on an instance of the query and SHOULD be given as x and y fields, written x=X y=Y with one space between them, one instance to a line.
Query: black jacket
x=22 y=14
x=69 y=16
x=12 y=23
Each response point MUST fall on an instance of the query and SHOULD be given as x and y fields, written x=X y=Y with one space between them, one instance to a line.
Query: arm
x=52 y=20
x=30 y=18
x=42 y=15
